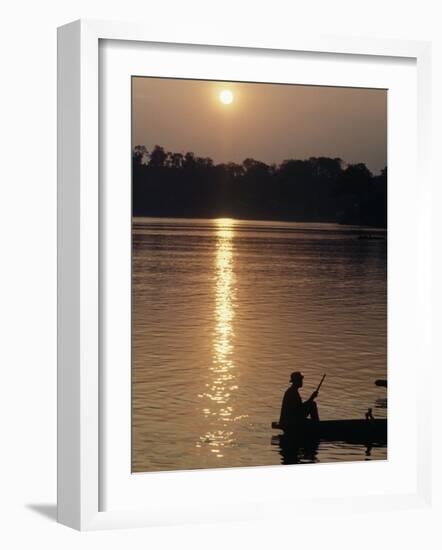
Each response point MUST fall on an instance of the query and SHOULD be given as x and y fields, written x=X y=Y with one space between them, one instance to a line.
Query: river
x=224 y=310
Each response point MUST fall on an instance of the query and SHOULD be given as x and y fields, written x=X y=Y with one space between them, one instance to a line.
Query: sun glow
x=226 y=97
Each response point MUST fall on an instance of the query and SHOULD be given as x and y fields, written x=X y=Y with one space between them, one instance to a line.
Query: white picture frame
x=81 y=469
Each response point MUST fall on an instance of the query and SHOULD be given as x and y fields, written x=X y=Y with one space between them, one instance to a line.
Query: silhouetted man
x=293 y=410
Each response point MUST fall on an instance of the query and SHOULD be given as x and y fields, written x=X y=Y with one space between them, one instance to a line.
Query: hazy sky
x=268 y=122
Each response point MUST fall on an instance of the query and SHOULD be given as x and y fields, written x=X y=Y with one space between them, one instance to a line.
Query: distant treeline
x=319 y=189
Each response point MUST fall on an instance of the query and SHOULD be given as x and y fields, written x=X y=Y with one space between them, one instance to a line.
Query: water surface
x=223 y=312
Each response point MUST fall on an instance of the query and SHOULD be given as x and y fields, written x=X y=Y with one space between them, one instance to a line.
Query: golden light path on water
x=222 y=384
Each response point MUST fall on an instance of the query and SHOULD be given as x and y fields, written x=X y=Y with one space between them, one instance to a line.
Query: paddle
x=320 y=383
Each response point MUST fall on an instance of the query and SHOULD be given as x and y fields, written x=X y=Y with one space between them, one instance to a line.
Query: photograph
x=259 y=274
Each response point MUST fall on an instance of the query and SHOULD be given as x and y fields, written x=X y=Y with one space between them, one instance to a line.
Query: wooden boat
x=351 y=431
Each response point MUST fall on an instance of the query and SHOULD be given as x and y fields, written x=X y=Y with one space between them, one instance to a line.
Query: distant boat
x=351 y=431
x=371 y=237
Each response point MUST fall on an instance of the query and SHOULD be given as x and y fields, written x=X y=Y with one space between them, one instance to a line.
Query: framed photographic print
x=232 y=274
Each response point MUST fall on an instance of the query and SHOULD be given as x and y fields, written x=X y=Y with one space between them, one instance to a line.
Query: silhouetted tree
x=157 y=157
x=140 y=154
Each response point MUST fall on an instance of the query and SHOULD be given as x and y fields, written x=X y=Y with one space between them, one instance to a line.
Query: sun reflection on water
x=222 y=384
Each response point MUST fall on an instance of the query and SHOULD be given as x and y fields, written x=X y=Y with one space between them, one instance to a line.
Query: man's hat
x=296 y=376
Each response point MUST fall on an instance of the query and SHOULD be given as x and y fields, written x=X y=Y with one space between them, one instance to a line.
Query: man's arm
x=313 y=396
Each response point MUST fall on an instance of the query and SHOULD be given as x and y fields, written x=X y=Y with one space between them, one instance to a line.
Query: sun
x=226 y=97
